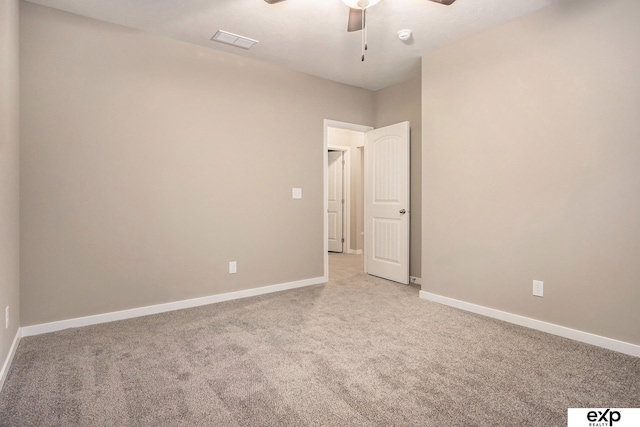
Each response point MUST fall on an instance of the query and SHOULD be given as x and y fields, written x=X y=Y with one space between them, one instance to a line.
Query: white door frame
x=325 y=164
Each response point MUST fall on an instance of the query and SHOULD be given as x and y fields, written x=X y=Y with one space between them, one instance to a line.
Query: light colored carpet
x=358 y=351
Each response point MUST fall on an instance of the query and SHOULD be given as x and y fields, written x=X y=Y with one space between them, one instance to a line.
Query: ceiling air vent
x=233 y=39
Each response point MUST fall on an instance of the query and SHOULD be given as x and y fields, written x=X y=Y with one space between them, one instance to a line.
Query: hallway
x=342 y=266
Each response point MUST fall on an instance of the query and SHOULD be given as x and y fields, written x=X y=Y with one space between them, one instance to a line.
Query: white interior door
x=386 y=202
x=336 y=201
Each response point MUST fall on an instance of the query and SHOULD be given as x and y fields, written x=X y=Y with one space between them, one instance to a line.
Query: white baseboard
x=415 y=280
x=161 y=308
x=585 y=337
x=355 y=251
x=7 y=362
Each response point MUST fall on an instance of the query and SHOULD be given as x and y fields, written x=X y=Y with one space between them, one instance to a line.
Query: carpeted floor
x=358 y=351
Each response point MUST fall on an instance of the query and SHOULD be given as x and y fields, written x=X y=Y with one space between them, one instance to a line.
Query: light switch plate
x=538 y=288
x=296 y=193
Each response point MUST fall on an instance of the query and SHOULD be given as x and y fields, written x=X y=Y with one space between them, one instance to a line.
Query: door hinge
x=342 y=201
x=343 y=162
x=343 y=240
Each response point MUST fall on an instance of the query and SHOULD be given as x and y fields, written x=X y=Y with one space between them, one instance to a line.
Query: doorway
x=336 y=200
x=386 y=207
x=348 y=139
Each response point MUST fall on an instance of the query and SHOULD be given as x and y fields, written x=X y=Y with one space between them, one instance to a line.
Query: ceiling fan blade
x=273 y=1
x=444 y=2
x=355 y=20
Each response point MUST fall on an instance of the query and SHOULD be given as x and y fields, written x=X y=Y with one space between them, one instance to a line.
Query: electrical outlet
x=6 y=317
x=233 y=267
x=538 y=288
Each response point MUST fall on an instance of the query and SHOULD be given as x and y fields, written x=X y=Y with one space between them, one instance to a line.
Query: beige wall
x=148 y=164
x=532 y=167
x=9 y=204
x=398 y=103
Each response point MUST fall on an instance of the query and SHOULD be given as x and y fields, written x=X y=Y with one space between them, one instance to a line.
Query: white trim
x=415 y=280
x=345 y=125
x=355 y=251
x=550 y=328
x=346 y=193
x=161 y=308
x=325 y=147
x=7 y=362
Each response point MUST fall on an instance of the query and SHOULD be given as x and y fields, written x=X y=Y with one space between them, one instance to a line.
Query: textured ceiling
x=310 y=35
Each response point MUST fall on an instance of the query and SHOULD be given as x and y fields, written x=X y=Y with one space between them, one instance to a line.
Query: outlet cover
x=538 y=288
x=233 y=267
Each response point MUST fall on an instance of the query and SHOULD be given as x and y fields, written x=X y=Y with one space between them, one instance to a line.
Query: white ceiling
x=310 y=35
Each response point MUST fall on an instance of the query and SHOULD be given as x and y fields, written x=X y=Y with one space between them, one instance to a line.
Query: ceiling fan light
x=360 y=4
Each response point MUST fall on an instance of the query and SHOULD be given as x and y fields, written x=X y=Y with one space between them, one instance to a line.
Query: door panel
x=385 y=238
x=335 y=205
x=387 y=202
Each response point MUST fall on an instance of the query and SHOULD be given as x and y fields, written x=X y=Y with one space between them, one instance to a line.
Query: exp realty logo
x=603 y=417
x=608 y=417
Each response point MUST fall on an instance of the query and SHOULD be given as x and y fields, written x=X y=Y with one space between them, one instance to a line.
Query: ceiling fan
x=358 y=15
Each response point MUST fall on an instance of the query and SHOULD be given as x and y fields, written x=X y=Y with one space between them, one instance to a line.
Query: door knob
x=403 y=211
